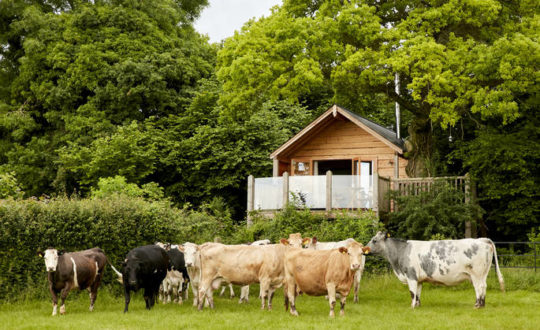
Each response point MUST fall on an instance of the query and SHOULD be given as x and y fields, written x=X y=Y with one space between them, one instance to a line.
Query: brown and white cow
x=240 y=265
x=74 y=270
x=321 y=272
x=314 y=244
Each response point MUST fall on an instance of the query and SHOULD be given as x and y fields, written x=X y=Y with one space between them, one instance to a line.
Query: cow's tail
x=499 y=274
x=120 y=277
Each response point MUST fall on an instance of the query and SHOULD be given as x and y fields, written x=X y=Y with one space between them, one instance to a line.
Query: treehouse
x=339 y=161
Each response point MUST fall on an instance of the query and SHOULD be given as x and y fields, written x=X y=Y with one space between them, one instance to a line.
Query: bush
x=438 y=213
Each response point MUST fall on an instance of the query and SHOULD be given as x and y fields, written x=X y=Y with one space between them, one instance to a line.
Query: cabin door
x=363 y=181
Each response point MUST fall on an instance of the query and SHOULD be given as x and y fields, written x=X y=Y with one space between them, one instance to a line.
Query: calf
x=446 y=262
x=66 y=271
x=144 y=267
x=320 y=272
x=314 y=244
x=177 y=277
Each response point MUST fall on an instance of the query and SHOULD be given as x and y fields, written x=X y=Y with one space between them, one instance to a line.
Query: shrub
x=440 y=212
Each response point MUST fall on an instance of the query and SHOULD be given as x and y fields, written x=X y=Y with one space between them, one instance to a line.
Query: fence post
x=285 y=189
x=250 y=199
x=328 y=191
x=375 y=193
x=468 y=225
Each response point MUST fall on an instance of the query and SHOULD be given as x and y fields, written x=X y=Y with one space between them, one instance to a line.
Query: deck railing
x=324 y=192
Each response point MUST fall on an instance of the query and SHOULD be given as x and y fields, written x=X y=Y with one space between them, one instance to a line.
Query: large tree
x=75 y=72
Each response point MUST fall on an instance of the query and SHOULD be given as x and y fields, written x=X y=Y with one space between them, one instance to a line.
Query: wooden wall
x=344 y=140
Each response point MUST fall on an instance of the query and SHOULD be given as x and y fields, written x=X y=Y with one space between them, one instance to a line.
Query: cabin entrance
x=338 y=167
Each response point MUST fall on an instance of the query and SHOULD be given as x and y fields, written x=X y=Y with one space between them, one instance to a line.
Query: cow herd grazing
x=300 y=265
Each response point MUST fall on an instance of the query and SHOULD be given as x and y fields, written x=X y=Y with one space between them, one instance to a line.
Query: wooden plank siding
x=343 y=139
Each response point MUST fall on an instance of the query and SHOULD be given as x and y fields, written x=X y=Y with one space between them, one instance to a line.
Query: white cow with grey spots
x=447 y=262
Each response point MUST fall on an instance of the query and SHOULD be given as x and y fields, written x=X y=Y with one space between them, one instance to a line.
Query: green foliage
x=81 y=71
x=435 y=214
x=118 y=185
x=9 y=187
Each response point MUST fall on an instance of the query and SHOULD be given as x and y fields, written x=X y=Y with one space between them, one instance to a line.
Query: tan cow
x=321 y=272
x=243 y=265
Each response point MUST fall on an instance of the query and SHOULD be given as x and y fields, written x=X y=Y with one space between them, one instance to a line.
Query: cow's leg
x=418 y=293
x=147 y=297
x=205 y=293
x=480 y=289
x=331 y=288
x=185 y=289
x=291 y=294
x=244 y=294
x=222 y=292
x=413 y=286
x=264 y=290
x=63 y=295
x=232 y=291
x=195 y=289
x=93 y=293
x=128 y=298
x=357 y=279
x=342 y=302
x=270 y=297
x=54 y=295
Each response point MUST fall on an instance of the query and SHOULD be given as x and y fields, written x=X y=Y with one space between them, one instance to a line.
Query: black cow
x=145 y=267
x=66 y=271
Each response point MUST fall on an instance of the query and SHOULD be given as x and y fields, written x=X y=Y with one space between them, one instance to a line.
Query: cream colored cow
x=322 y=272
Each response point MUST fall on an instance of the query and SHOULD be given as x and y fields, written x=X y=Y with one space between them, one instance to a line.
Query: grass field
x=384 y=304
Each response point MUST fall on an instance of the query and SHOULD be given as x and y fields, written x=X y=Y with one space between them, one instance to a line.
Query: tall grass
x=384 y=304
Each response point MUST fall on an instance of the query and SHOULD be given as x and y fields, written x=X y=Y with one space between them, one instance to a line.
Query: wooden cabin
x=344 y=143
x=336 y=162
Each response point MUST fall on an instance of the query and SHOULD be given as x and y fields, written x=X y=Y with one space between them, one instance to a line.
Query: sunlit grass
x=384 y=304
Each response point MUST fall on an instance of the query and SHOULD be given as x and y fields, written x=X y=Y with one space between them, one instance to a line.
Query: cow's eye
x=374 y=241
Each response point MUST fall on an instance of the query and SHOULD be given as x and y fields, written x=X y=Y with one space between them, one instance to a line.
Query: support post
x=285 y=189
x=468 y=229
x=328 y=191
x=375 y=191
x=250 y=199
x=275 y=171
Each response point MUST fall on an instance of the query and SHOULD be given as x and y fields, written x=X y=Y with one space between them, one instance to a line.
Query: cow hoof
x=331 y=314
x=91 y=308
x=341 y=313
x=295 y=313
x=355 y=300
x=62 y=310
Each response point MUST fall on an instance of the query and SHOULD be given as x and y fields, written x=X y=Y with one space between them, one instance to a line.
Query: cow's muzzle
x=189 y=264
x=51 y=269
x=355 y=266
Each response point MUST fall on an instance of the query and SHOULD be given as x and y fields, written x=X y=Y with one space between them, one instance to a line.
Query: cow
x=321 y=272
x=66 y=271
x=314 y=244
x=177 y=278
x=446 y=262
x=238 y=264
x=145 y=267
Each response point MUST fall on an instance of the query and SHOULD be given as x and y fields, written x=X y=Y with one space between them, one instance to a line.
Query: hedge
x=119 y=223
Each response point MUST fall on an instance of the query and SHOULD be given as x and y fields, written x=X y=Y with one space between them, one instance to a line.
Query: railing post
x=375 y=192
x=328 y=191
x=285 y=189
x=250 y=199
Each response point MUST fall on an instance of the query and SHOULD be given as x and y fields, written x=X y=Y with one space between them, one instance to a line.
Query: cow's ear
x=39 y=253
x=306 y=240
x=284 y=241
x=387 y=234
x=366 y=249
x=314 y=239
x=181 y=248
x=60 y=252
x=343 y=250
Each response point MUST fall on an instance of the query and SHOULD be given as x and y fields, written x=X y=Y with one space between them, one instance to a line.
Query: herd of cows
x=300 y=265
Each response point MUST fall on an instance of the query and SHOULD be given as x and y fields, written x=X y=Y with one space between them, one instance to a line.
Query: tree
x=81 y=70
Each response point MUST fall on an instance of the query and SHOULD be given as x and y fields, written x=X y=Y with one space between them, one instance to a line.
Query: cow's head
x=311 y=243
x=51 y=258
x=295 y=240
x=164 y=246
x=130 y=270
x=191 y=253
x=377 y=244
x=354 y=251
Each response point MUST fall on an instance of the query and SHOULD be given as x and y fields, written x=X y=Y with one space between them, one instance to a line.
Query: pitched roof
x=384 y=134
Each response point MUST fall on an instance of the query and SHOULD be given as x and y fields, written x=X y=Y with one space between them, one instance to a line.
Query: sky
x=222 y=17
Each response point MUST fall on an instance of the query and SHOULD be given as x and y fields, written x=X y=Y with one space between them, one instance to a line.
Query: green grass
x=384 y=304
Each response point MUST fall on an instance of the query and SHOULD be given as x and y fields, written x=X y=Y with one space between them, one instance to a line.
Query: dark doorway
x=338 y=167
